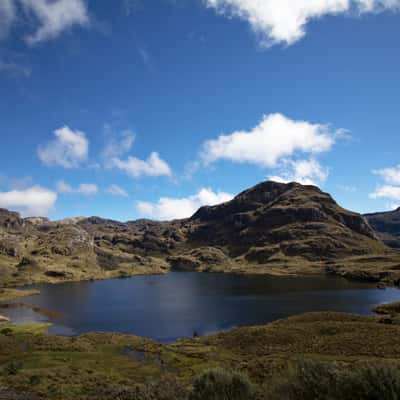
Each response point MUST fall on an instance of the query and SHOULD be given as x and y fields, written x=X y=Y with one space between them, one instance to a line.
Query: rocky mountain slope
x=387 y=226
x=270 y=228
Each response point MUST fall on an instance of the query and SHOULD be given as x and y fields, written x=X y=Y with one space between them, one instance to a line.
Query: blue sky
x=131 y=109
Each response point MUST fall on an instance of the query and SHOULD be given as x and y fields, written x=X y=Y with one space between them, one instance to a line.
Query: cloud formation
x=117 y=145
x=386 y=191
x=276 y=137
x=153 y=166
x=391 y=190
x=389 y=175
x=86 y=189
x=285 y=21
x=306 y=172
x=69 y=149
x=52 y=16
x=33 y=201
x=116 y=190
x=168 y=208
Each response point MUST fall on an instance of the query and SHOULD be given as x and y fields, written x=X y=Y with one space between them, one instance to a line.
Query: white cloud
x=34 y=201
x=306 y=172
x=153 y=166
x=116 y=190
x=52 y=16
x=68 y=149
x=120 y=144
x=86 y=189
x=390 y=175
x=117 y=144
x=285 y=21
x=275 y=138
x=391 y=190
x=168 y=208
x=55 y=17
x=393 y=206
x=386 y=191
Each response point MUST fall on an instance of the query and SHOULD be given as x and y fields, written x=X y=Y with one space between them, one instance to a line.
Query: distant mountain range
x=271 y=228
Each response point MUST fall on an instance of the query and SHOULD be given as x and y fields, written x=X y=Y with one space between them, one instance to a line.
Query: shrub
x=311 y=380
x=164 y=388
x=13 y=367
x=306 y=380
x=219 y=384
x=370 y=383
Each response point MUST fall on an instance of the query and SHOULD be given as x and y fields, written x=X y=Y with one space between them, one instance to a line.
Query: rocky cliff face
x=270 y=228
x=274 y=220
x=387 y=226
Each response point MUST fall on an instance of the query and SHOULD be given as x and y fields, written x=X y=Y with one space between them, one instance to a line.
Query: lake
x=176 y=305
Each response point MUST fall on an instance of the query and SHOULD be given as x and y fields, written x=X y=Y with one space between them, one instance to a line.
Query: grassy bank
x=7 y=294
x=104 y=366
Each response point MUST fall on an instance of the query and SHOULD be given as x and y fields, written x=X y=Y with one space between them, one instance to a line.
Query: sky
x=131 y=109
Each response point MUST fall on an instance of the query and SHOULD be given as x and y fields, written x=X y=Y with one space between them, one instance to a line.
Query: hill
x=387 y=226
x=271 y=228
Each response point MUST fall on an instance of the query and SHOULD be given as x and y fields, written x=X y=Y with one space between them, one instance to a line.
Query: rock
x=4 y=319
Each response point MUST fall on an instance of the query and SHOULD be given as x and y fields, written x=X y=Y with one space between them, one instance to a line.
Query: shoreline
x=18 y=291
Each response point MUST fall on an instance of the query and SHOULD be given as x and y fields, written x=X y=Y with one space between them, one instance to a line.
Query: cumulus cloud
x=306 y=172
x=390 y=175
x=121 y=143
x=116 y=190
x=276 y=137
x=33 y=201
x=86 y=189
x=168 y=208
x=387 y=192
x=285 y=21
x=69 y=149
x=153 y=166
x=391 y=189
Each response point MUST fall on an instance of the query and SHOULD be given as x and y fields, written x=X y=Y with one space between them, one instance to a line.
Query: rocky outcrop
x=292 y=220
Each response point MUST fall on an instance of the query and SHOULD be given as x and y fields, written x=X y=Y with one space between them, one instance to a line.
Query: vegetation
x=219 y=384
x=388 y=309
x=9 y=294
x=316 y=380
x=354 y=353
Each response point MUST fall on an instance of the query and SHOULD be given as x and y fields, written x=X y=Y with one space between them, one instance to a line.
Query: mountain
x=387 y=226
x=271 y=228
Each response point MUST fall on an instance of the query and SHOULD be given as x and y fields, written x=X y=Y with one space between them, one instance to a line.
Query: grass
x=388 y=309
x=10 y=294
x=97 y=366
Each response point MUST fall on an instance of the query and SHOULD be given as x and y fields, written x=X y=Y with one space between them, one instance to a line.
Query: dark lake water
x=175 y=305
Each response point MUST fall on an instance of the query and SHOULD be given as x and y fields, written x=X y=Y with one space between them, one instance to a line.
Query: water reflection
x=176 y=305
